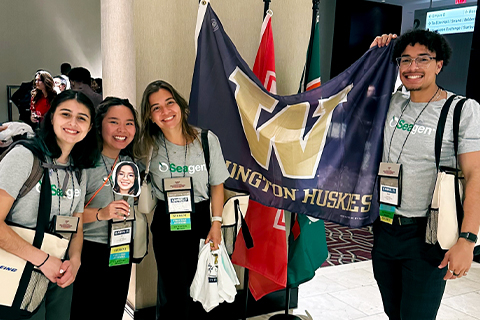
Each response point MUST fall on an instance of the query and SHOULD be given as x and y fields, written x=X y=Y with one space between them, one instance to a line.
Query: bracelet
x=98 y=210
x=219 y=219
x=48 y=256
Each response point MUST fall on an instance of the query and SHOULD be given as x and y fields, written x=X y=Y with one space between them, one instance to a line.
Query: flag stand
x=286 y=315
x=245 y=287
x=315 y=9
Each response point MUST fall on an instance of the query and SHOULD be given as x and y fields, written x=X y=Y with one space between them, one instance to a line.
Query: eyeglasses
x=420 y=61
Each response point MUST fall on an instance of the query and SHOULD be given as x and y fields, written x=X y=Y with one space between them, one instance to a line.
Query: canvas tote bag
x=23 y=285
x=147 y=200
x=446 y=210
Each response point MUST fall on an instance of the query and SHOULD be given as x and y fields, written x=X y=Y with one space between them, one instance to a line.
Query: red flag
x=264 y=67
x=267 y=260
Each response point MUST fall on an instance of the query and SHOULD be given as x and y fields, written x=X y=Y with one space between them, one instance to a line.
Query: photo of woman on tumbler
x=126 y=179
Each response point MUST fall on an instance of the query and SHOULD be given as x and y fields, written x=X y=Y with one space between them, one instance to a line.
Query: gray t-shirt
x=16 y=167
x=192 y=165
x=97 y=231
x=418 y=155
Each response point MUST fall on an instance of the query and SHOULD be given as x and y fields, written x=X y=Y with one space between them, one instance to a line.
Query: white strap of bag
x=147 y=169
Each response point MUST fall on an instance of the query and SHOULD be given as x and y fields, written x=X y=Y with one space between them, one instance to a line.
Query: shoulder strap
x=456 y=128
x=456 y=124
x=206 y=148
x=35 y=174
x=441 y=129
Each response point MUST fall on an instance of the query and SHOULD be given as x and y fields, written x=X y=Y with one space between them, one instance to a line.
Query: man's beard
x=413 y=89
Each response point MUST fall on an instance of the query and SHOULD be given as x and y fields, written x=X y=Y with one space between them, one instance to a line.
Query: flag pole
x=286 y=315
x=266 y=6
x=315 y=9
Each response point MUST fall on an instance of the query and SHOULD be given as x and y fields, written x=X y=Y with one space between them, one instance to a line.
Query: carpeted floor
x=347 y=245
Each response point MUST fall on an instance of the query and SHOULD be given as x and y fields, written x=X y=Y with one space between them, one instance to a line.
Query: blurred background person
x=60 y=84
x=80 y=80
x=64 y=70
x=42 y=96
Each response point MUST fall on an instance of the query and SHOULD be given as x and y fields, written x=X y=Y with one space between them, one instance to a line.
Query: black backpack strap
x=43 y=220
x=206 y=148
x=441 y=129
x=32 y=180
x=456 y=128
x=35 y=174
x=456 y=124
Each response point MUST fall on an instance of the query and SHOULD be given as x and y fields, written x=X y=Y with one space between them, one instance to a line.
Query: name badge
x=120 y=233
x=179 y=201
x=386 y=213
x=390 y=181
x=180 y=222
x=119 y=256
x=65 y=224
x=178 y=195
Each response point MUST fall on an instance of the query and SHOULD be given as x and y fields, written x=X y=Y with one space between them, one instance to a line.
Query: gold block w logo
x=298 y=156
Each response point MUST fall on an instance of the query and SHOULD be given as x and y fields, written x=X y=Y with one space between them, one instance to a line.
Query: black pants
x=99 y=291
x=406 y=270
x=176 y=253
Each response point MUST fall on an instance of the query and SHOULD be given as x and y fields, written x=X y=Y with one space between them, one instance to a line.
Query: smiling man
x=411 y=274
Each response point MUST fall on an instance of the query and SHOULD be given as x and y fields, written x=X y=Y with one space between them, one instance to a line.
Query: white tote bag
x=12 y=268
x=147 y=200
x=446 y=209
x=444 y=201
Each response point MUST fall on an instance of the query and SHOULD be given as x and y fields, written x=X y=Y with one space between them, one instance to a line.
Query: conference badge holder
x=390 y=191
x=179 y=202
x=120 y=236
x=126 y=182
x=64 y=226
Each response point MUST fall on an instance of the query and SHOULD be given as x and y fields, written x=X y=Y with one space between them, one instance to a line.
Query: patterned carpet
x=347 y=245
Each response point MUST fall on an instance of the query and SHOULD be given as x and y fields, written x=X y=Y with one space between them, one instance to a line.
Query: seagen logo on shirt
x=191 y=169
x=413 y=128
x=58 y=191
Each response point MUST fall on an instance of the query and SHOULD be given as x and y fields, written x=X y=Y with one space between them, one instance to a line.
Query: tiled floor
x=350 y=292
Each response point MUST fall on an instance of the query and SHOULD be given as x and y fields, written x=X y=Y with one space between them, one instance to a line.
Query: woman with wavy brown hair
x=42 y=95
x=180 y=178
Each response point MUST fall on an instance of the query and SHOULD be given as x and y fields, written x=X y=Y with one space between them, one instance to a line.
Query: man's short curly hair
x=432 y=40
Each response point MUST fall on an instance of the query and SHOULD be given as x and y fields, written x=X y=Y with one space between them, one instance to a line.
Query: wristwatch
x=472 y=237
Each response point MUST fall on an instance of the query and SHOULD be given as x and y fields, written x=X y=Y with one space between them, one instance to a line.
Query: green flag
x=311 y=78
x=307 y=249
x=307 y=242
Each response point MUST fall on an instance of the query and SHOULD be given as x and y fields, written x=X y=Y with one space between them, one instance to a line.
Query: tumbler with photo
x=126 y=182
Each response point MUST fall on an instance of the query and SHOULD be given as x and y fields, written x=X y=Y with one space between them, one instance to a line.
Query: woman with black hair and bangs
x=66 y=144
x=101 y=287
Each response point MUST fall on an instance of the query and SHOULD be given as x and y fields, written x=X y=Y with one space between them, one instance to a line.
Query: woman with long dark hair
x=43 y=94
x=101 y=288
x=178 y=156
x=66 y=144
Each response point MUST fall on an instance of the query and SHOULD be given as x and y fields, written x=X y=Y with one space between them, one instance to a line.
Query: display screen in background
x=450 y=21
